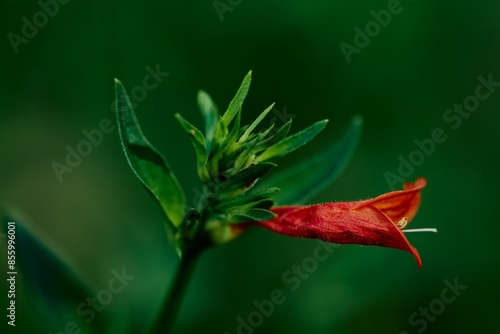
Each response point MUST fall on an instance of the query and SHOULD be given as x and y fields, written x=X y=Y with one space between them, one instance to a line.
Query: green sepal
x=147 y=163
x=313 y=174
x=292 y=142
x=252 y=215
x=199 y=146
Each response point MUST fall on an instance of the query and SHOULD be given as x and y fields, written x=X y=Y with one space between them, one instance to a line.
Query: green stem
x=172 y=303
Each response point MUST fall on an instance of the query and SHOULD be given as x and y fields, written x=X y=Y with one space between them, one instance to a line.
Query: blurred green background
x=426 y=59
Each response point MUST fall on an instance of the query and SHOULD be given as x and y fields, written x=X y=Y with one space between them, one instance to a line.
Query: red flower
x=378 y=221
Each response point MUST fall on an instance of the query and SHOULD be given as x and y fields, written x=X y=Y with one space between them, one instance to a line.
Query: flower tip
x=416 y=255
x=420 y=182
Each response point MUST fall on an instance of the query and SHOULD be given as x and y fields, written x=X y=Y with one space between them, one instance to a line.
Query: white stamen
x=421 y=230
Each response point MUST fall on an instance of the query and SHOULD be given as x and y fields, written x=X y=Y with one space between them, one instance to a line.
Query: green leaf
x=292 y=142
x=237 y=102
x=210 y=114
x=255 y=123
x=304 y=180
x=147 y=163
x=252 y=215
x=55 y=288
x=277 y=137
x=246 y=199
x=247 y=176
x=221 y=149
x=244 y=155
x=263 y=204
x=232 y=136
x=264 y=133
x=199 y=146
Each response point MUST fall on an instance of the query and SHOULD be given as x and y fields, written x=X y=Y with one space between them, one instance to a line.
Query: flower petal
x=341 y=223
x=369 y=222
x=399 y=204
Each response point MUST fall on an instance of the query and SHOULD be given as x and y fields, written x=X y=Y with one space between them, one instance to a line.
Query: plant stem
x=172 y=304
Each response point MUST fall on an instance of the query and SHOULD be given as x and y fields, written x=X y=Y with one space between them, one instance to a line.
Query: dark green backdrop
x=425 y=60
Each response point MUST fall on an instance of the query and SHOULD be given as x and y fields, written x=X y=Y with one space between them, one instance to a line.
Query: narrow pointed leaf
x=277 y=137
x=221 y=149
x=293 y=142
x=55 y=287
x=267 y=131
x=264 y=204
x=256 y=123
x=232 y=136
x=210 y=114
x=147 y=163
x=199 y=145
x=304 y=180
x=244 y=156
x=247 y=176
x=237 y=102
x=252 y=215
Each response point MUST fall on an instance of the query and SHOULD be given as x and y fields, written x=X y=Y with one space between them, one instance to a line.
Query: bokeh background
x=426 y=59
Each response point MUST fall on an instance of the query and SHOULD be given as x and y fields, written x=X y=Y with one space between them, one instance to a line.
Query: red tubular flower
x=378 y=221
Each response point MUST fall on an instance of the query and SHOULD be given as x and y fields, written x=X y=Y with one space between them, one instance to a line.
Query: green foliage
x=231 y=159
x=255 y=123
x=248 y=198
x=200 y=146
x=248 y=176
x=237 y=102
x=147 y=163
x=293 y=142
x=210 y=114
x=253 y=215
